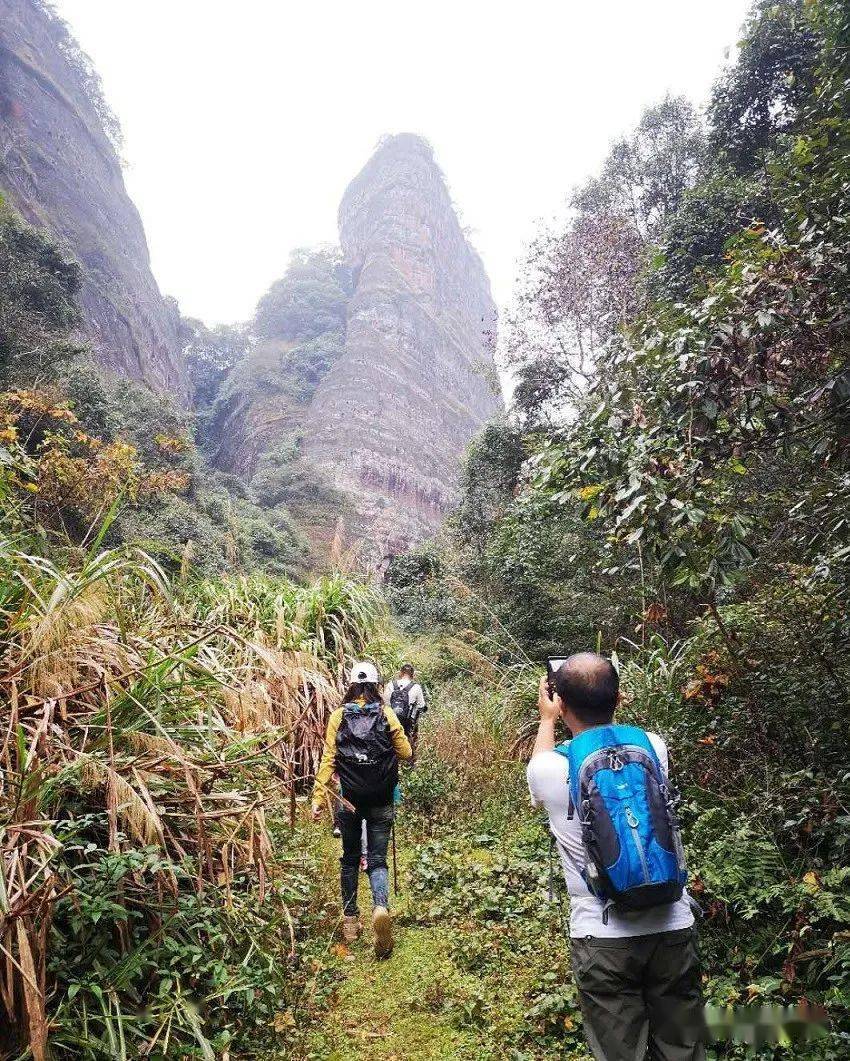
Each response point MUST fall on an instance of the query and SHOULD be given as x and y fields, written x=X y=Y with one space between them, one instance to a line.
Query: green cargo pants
x=639 y=994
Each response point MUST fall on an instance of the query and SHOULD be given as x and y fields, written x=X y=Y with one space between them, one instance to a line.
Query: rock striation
x=60 y=169
x=390 y=420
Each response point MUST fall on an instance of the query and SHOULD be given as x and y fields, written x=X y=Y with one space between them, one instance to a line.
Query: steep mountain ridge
x=60 y=169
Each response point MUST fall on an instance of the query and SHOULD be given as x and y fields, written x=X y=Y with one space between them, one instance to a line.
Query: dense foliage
x=673 y=485
x=158 y=736
x=37 y=301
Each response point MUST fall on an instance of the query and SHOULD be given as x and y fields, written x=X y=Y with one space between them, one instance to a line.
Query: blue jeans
x=379 y=823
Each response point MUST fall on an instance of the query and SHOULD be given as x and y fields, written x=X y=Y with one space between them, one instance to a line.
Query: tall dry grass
x=178 y=713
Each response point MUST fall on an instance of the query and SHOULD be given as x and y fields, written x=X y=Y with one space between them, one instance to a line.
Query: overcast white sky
x=244 y=121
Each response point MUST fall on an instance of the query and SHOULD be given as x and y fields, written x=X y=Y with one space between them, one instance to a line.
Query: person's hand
x=316 y=813
x=549 y=707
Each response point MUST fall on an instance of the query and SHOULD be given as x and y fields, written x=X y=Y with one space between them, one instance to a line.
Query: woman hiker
x=363 y=744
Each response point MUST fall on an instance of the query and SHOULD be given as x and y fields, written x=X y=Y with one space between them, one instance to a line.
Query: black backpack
x=366 y=760
x=400 y=703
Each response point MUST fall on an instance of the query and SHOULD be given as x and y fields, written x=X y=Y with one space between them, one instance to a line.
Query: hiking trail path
x=384 y=1010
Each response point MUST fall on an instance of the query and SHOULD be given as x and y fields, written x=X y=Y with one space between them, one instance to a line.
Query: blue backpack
x=627 y=812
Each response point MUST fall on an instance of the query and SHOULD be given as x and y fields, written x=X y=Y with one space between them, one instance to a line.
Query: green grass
x=385 y=1009
x=457 y=986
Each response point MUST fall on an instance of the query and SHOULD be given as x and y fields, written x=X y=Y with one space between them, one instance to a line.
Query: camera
x=552 y=665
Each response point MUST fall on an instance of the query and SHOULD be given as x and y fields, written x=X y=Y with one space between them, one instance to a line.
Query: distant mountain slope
x=59 y=168
x=254 y=422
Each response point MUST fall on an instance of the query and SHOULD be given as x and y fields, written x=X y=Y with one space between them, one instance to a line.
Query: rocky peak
x=389 y=422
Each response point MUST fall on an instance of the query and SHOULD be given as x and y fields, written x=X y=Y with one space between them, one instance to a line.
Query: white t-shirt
x=548 y=773
x=416 y=697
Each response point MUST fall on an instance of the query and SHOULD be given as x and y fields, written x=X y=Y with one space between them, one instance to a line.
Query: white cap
x=365 y=672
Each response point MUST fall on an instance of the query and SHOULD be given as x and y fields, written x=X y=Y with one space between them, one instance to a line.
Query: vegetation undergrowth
x=482 y=963
x=157 y=735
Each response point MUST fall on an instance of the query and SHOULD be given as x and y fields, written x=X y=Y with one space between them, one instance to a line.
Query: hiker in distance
x=363 y=744
x=407 y=699
x=613 y=819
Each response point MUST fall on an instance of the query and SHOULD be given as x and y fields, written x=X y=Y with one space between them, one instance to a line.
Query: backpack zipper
x=633 y=825
x=587 y=766
x=641 y=755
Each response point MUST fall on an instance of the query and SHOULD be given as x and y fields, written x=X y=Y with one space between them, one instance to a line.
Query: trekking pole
x=396 y=892
x=342 y=801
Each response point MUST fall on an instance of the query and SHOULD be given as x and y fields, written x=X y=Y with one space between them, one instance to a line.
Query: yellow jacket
x=328 y=764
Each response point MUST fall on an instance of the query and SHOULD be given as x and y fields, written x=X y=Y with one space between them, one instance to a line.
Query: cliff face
x=297 y=331
x=60 y=170
x=389 y=421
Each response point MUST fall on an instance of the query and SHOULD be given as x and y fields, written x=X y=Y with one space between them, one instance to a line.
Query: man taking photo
x=612 y=816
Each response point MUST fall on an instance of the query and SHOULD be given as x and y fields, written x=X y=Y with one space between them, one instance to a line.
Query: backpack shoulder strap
x=563 y=750
x=344 y=716
x=639 y=738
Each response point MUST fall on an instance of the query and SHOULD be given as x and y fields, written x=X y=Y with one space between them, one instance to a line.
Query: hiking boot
x=382 y=923
x=351 y=928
